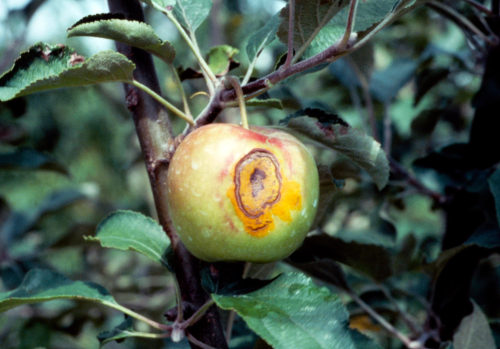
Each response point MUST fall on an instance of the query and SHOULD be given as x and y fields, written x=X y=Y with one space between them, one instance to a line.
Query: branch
x=461 y=21
x=384 y=323
x=291 y=23
x=157 y=143
x=480 y=7
x=400 y=171
x=334 y=52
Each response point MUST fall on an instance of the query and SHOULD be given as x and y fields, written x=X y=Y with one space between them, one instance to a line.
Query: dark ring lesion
x=257 y=180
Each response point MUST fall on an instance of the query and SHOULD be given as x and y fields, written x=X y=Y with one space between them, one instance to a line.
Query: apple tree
x=342 y=195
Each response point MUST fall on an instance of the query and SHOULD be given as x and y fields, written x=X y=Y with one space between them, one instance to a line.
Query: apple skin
x=242 y=195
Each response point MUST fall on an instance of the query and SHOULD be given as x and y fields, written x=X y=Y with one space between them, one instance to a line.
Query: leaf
x=262 y=37
x=44 y=67
x=450 y=289
x=338 y=135
x=356 y=250
x=133 y=33
x=266 y=103
x=220 y=59
x=191 y=13
x=40 y=285
x=30 y=159
x=127 y=230
x=310 y=18
x=474 y=329
x=385 y=84
x=20 y=222
x=369 y=12
x=427 y=79
x=293 y=313
x=119 y=333
x=325 y=270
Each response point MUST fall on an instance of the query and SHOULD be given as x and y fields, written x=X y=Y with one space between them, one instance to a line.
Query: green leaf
x=266 y=103
x=369 y=12
x=262 y=37
x=40 y=285
x=133 y=33
x=310 y=18
x=160 y=5
x=474 y=329
x=127 y=230
x=119 y=333
x=293 y=313
x=191 y=13
x=44 y=67
x=220 y=58
x=338 y=135
x=30 y=159
x=385 y=84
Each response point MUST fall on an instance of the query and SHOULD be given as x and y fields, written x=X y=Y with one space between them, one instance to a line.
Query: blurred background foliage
x=70 y=157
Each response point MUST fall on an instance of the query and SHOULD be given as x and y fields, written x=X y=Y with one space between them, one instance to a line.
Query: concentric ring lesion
x=258 y=182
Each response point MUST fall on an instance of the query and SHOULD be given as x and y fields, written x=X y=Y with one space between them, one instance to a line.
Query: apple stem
x=234 y=82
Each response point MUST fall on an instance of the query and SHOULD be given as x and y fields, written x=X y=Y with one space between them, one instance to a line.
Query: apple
x=242 y=195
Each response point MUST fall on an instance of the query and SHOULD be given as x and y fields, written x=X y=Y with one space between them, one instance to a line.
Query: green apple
x=242 y=195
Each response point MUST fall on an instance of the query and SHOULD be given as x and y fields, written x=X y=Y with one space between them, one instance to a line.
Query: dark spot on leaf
x=76 y=59
x=327 y=130
x=45 y=54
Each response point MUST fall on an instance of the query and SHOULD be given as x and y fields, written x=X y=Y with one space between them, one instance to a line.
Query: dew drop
x=315 y=203
x=195 y=165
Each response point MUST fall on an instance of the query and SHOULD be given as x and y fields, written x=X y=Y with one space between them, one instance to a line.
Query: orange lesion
x=260 y=192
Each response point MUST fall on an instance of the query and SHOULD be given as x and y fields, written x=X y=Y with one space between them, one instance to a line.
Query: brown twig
x=384 y=323
x=291 y=24
x=350 y=24
x=400 y=171
x=480 y=7
x=461 y=21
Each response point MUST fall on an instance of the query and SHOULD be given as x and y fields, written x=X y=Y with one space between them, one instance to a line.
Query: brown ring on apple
x=258 y=182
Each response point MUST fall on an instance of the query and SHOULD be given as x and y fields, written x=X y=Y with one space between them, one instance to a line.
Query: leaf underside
x=127 y=230
x=40 y=285
x=45 y=67
x=133 y=33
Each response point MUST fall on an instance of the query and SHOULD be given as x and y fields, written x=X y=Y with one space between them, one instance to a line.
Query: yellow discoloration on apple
x=260 y=192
